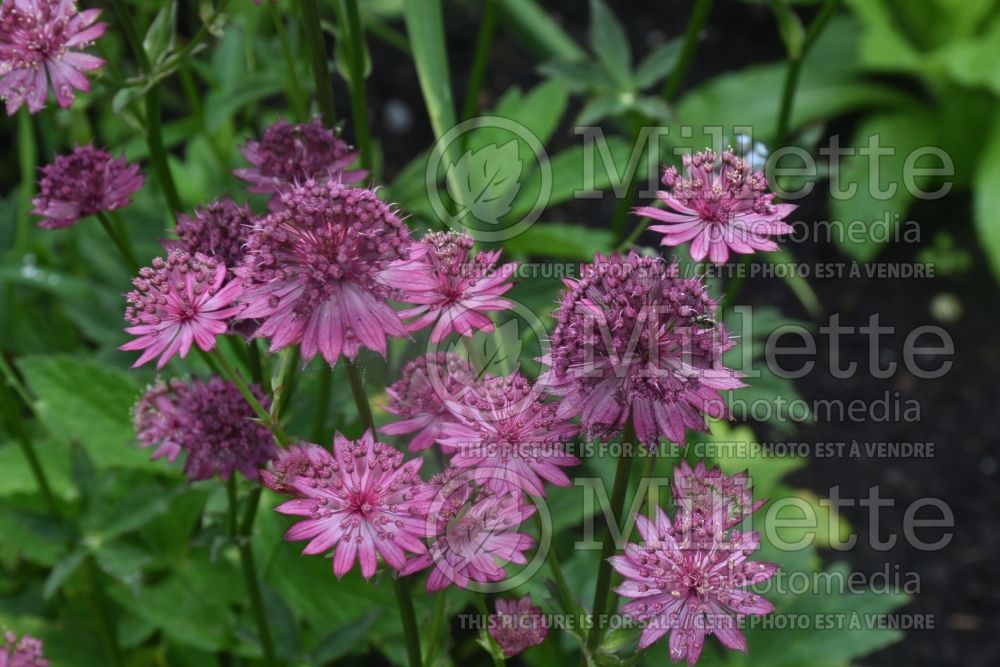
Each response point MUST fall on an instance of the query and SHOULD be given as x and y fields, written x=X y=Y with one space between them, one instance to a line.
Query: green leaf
x=560 y=240
x=987 y=201
x=658 y=63
x=790 y=27
x=527 y=20
x=16 y=476
x=81 y=400
x=63 y=570
x=599 y=108
x=162 y=33
x=578 y=75
x=484 y=182
x=425 y=27
x=610 y=43
x=344 y=639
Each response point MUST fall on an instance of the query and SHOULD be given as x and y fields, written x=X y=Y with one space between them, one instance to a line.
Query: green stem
x=15 y=424
x=440 y=607
x=123 y=247
x=322 y=403
x=282 y=390
x=102 y=615
x=635 y=122
x=321 y=69
x=294 y=89
x=694 y=26
x=494 y=650
x=350 y=21
x=618 y=491
x=265 y=417
x=484 y=42
x=795 y=68
x=232 y=524
x=26 y=162
x=735 y=285
x=403 y=598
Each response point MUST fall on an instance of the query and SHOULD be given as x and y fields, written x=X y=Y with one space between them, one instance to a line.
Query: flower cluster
x=210 y=421
x=291 y=154
x=450 y=287
x=718 y=210
x=362 y=501
x=634 y=340
x=218 y=230
x=517 y=625
x=24 y=652
x=178 y=302
x=41 y=41
x=86 y=181
x=690 y=576
x=312 y=271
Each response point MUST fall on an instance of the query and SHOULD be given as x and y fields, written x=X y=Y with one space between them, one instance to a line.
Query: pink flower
x=419 y=397
x=211 y=421
x=472 y=532
x=291 y=154
x=312 y=271
x=24 y=652
x=82 y=183
x=45 y=36
x=517 y=626
x=634 y=340
x=178 y=302
x=691 y=584
x=303 y=459
x=709 y=493
x=360 y=501
x=218 y=230
x=450 y=287
x=718 y=211
x=508 y=437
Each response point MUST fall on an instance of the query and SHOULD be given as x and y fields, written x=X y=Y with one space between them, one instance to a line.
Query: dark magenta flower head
x=450 y=287
x=41 y=41
x=178 y=302
x=473 y=533
x=290 y=154
x=23 y=652
x=634 y=340
x=420 y=395
x=210 y=421
x=691 y=583
x=312 y=271
x=218 y=230
x=718 y=210
x=508 y=437
x=517 y=625
x=86 y=181
x=362 y=501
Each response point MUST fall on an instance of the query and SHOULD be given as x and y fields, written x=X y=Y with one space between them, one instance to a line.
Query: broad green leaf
x=987 y=201
x=658 y=63
x=610 y=43
x=484 y=182
x=162 y=32
x=599 y=108
x=16 y=476
x=578 y=75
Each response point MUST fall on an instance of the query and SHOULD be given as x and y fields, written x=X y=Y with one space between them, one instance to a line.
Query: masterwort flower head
x=218 y=230
x=302 y=459
x=86 y=181
x=508 y=437
x=449 y=286
x=420 y=395
x=362 y=501
x=177 y=302
x=210 y=421
x=41 y=41
x=517 y=625
x=290 y=154
x=691 y=587
x=718 y=210
x=23 y=652
x=704 y=494
x=634 y=340
x=312 y=271
x=473 y=532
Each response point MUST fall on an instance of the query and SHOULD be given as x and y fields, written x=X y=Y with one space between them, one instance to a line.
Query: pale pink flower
x=508 y=437
x=312 y=271
x=712 y=493
x=84 y=182
x=362 y=502
x=23 y=652
x=718 y=211
x=420 y=394
x=449 y=286
x=178 y=302
x=517 y=625
x=41 y=41
x=634 y=340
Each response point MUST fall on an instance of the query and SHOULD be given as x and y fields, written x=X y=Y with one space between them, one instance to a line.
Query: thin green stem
x=239 y=534
x=494 y=649
x=795 y=68
x=350 y=25
x=484 y=43
x=254 y=362
x=403 y=598
x=320 y=66
x=265 y=417
x=735 y=286
x=26 y=162
x=322 y=403
x=702 y=8
x=281 y=390
x=296 y=97
x=123 y=247
x=634 y=122
x=603 y=588
x=102 y=615
x=232 y=525
x=437 y=625
x=15 y=425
